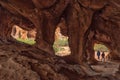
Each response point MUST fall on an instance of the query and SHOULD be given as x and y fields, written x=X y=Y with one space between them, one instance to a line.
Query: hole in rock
x=22 y=35
x=101 y=52
x=61 y=46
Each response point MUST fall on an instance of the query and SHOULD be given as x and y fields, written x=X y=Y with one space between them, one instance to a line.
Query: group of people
x=101 y=55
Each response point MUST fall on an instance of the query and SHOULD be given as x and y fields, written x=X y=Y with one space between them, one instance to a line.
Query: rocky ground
x=64 y=52
x=29 y=63
x=106 y=68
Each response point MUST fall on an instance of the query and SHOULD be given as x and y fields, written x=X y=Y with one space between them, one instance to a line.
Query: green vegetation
x=27 y=41
x=57 y=49
x=100 y=47
x=64 y=42
x=57 y=44
x=60 y=43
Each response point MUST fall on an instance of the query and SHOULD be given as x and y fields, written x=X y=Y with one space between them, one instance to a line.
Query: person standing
x=98 y=55
x=103 y=56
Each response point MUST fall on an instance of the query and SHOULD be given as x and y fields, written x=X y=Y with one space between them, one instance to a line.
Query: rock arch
x=79 y=16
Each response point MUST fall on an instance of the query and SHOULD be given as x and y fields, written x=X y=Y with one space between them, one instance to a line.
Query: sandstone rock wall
x=86 y=22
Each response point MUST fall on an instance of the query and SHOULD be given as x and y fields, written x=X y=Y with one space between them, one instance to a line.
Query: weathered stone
x=85 y=22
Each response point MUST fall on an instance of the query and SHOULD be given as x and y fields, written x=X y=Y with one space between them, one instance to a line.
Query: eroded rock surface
x=25 y=64
x=85 y=22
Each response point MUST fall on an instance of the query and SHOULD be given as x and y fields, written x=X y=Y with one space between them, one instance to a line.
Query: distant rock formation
x=85 y=22
x=18 y=32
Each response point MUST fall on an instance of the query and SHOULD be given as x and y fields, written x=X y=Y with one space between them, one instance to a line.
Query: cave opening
x=22 y=35
x=101 y=52
x=61 y=46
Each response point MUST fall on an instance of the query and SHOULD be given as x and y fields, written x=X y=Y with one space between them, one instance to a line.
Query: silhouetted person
x=98 y=54
x=103 y=56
